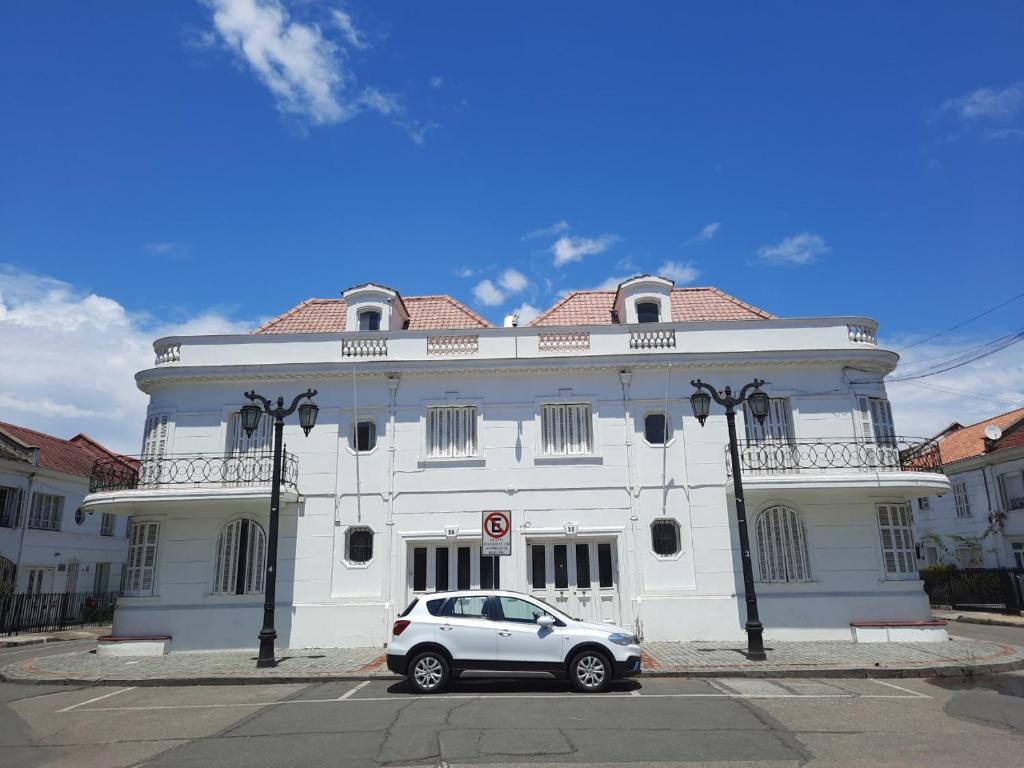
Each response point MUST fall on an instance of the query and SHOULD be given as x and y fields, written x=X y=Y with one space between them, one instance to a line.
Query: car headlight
x=622 y=639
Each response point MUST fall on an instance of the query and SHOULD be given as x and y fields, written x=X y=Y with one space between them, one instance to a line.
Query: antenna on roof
x=993 y=432
x=511 y=321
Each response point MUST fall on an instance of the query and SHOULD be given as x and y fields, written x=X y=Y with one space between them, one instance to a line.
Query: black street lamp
x=250 y=417
x=758 y=401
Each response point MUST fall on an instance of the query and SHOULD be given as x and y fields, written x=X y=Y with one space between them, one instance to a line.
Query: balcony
x=900 y=464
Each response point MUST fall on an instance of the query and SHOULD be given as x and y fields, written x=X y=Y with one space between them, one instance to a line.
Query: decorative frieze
x=658 y=338
x=453 y=345
x=368 y=346
x=570 y=341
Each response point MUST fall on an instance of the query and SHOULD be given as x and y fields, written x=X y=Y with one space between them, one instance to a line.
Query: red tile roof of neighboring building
x=75 y=456
x=688 y=305
x=426 y=313
x=968 y=442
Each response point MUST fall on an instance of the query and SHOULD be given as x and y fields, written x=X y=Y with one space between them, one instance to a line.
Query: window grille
x=451 y=432
x=962 y=499
x=141 y=565
x=241 y=559
x=360 y=545
x=665 y=537
x=567 y=429
x=782 y=546
x=47 y=510
x=896 y=526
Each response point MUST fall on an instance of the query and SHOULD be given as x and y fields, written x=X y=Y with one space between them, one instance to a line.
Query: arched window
x=782 y=546
x=648 y=312
x=359 y=547
x=665 y=537
x=369 y=320
x=241 y=559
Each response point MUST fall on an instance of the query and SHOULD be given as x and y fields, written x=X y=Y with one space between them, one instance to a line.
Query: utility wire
x=966 y=359
x=965 y=322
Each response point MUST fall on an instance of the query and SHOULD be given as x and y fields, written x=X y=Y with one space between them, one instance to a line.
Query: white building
x=430 y=416
x=981 y=523
x=48 y=541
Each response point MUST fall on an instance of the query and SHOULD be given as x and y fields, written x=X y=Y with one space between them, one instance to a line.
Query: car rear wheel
x=429 y=672
x=590 y=672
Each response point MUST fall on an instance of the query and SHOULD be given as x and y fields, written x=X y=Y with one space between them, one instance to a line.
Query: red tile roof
x=328 y=316
x=968 y=442
x=75 y=456
x=688 y=304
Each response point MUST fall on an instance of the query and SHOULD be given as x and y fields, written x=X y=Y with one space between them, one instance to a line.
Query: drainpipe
x=625 y=377
x=26 y=508
x=389 y=523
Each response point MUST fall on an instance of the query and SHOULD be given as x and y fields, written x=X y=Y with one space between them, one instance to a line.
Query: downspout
x=26 y=507
x=355 y=428
x=389 y=523
x=625 y=377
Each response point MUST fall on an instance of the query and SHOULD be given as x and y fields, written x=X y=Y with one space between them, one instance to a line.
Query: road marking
x=632 y=695
x=359 y=687
x=915 y=694
x=98 y=698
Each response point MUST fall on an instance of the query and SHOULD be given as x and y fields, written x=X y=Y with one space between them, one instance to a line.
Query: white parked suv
x=442 y=634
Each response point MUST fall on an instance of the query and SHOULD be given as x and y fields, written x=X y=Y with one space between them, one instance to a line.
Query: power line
x=965 y=322
x=957 y=391
x=967 y=358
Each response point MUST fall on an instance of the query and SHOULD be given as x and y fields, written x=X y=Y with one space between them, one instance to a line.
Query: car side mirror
x=546 y=621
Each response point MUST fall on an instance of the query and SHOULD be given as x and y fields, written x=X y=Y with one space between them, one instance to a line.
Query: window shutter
x=240 y=444
x=567 y=429
x=141 y=564
x=451 y=432
x=782 y=546
x=896 y=524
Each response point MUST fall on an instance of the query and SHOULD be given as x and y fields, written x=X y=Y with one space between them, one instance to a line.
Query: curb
x=36 y=641
x=950 y=670
x=987 y=622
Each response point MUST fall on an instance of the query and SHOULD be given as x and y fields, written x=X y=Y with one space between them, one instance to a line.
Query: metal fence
x=823 y=455
x=196 y=470
x=54 y=611
x=977 y=589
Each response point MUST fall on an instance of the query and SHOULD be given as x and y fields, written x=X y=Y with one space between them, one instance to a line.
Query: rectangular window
x=101 y=579
x=1018 y=553
x=241 y=444
x=538 y=566
x=923 y=504
x=962 y=500
x=896 y=526
x=583 y=566
x=604 y=565
x=490 y=572
x=140 y=569
x=777 y=425
x=47 y=511
x=154 y=441
x=876 y=420
x=107 y=524
x=567 y=429
x=419 y=569
x=10 y=507
x=451 y=432
x=441 y=569
x=463 y=572
x=1013 y=490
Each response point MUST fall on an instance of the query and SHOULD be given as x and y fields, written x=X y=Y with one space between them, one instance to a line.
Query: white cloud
x=488 y=294
x=680 y=273
x=436 y=81
x=610 y=283
x=568 y=249
x=706 y=233
x=798 y=249
x=527 y=313
x=1005 y=133
x=159 y=249
x=991 y=103
x=555 y=229
x=513 y=281
x=354 y=37
x=464 y=272
x=978 y=391
x=69 y=358
x=385 y=103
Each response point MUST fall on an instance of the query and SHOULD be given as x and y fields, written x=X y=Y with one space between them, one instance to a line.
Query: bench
x=899 y=631
x=137 y=645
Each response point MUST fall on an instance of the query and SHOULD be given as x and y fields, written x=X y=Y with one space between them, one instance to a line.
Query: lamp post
x=700 y=401
x=250 y=418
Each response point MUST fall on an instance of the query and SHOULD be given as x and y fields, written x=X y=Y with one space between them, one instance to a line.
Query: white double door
x=579 y=577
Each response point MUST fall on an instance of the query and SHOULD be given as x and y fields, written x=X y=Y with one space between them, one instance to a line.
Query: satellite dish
x=992 y=432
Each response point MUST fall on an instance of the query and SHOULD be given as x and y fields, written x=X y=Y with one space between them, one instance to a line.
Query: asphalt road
x=762 y=723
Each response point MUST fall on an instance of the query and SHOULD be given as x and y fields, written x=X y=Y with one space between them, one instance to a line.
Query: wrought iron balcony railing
x=780 y=457
x=195 y=470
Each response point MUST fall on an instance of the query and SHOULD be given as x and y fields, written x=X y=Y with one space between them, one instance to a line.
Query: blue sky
x=202 y=163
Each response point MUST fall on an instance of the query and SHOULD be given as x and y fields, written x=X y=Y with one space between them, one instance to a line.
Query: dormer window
x=369 y=320
x=648 y=312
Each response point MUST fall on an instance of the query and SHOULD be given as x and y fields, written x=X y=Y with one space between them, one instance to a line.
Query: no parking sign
x=496 y=535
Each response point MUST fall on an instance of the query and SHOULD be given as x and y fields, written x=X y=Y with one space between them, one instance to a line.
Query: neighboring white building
x=578 y=425
x=981 y=523
x=48 y=542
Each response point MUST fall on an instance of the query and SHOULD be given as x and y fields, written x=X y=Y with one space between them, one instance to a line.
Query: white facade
x=550 y=424
x=980 y=523
x=48 y=538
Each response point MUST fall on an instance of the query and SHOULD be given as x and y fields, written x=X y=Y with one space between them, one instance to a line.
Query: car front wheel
x=429 y=672
x=590 y=672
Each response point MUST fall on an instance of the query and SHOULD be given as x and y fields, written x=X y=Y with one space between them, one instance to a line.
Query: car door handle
x=505 y=633
x=446 y=627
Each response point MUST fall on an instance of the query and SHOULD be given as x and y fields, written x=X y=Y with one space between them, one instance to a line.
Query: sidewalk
x=785 y=659
x=980 y=617
x=16 y=641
